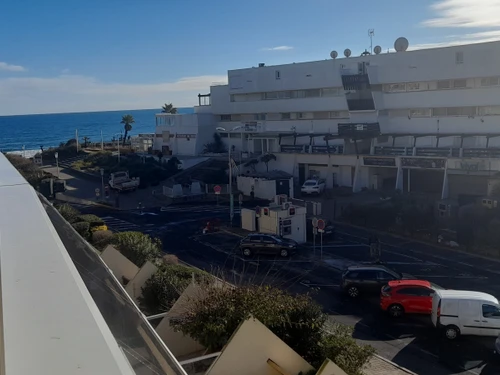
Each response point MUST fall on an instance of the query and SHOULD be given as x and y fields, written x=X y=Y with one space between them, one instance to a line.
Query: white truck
x=121 y=181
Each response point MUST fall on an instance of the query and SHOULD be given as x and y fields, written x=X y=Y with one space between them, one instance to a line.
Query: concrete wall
x=330 y=368
x=119 y=264
x=134 y=287
x=250 y=348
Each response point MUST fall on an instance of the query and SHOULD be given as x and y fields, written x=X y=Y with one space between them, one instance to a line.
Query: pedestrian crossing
x=118 y=225
x=198 y=209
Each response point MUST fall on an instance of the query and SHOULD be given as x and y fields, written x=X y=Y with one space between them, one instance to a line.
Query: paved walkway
x=380 y=366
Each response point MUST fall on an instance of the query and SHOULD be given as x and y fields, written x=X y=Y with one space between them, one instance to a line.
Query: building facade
x=423 y=120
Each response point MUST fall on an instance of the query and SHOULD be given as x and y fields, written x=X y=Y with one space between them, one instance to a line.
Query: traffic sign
x=321 y=225
x=315 y=222
x=217 y=189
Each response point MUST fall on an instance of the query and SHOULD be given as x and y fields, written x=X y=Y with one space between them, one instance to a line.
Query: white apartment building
x=424 y=120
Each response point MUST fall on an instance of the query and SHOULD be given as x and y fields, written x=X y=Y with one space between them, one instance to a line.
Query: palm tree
x=169 y=108
x=86 y=141
x=127 y=121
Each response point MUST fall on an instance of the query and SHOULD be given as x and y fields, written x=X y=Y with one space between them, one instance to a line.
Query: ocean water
x=32 y=131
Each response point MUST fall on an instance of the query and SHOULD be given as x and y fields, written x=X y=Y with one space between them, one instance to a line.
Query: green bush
x=295 y=319
x=102 y=238
x=137 y=247
x=93 y=220
x=164 y=288
x=68 y=212
x=83 y=228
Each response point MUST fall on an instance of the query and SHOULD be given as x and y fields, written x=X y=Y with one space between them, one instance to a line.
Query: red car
x=407 y=296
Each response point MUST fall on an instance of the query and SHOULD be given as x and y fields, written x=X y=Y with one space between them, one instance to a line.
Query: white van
x=461 y=312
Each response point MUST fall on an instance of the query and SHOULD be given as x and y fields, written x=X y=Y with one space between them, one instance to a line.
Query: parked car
x=329 y=231
x=400 y=297
x=462 y=312
x=314 y=186
x=368 y=279
x=263 y=243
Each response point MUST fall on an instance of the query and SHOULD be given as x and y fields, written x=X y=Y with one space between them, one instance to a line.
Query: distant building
x=420 y=121
x=142 y=142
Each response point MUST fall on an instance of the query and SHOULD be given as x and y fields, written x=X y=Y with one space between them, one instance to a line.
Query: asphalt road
x=411 y=342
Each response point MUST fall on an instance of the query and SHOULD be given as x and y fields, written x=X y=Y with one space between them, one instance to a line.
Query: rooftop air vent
x=261 y=65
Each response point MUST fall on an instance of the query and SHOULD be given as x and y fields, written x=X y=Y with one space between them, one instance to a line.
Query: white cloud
x=454 y=40
x=278 y=48
x=465 y=13
x=11 y=68
x=73 y=93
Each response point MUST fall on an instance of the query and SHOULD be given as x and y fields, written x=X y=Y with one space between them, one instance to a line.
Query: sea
x=49 y=130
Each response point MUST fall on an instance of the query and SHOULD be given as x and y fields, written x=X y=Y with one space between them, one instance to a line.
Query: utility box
x=284 y=220
x=248 y=220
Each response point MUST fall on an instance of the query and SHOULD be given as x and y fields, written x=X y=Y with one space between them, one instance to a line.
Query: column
x=446 y=191
x=356 y=185
x=399 y=176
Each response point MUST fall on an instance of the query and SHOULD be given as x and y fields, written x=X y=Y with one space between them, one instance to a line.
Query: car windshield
x=310 y=183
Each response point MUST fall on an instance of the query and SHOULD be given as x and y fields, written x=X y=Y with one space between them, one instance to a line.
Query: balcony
x=307 y=149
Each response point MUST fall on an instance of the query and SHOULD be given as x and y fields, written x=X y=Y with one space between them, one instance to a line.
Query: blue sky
x=79 y=55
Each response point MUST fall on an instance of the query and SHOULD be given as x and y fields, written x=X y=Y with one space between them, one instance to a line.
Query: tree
x=161 y=290
x=86 y=141
x=137 y=247
x=266 y=159
x=251 y=163
x=295 y=319
x=169 y=108
x=173 y=164
x=127 y=121
x=216 y=146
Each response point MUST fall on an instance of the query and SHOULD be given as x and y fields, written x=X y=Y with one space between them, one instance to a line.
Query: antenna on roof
x=371 y=33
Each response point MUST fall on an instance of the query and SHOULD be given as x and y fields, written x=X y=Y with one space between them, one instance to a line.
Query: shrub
x=99 y=228
x=83 y=228
x=93 y=220
x=68 y=212
x=137 y=247
x=102 y=238
x=162 y=289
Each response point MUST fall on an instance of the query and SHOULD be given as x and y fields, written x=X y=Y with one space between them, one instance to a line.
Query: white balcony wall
x=296 y=76
x=439 y=98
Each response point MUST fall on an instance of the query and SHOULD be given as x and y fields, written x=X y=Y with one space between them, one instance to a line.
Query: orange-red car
x=400 y=297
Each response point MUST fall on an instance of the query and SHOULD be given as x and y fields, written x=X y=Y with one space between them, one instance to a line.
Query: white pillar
x=399 y=176
x=357 y=177
x=445 y=192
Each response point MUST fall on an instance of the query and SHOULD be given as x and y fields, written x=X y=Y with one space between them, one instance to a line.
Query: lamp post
x=120 y=134
x=102 y=183
x=57 y=163
x=231 y=196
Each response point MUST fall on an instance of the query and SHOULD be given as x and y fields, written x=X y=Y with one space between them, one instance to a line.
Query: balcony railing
x=305 y=149
x=394 y=151
x=481 y=153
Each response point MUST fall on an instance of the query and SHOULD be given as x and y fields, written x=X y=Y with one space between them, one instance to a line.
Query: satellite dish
x=377 y=50
x=347 y=52
x=334 y=54
x=401 y=44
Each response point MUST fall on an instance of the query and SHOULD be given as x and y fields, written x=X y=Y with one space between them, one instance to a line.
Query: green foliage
x=127 y=121
x=102 y=238
x=162 y=289
x=216 y=146
x=93 y=220
x=68 y=212
x=137 y=247
x=83 y=228
x=266 y=159
x=28 y=170
x=64 y=152
x=296 y=319
x=169 y=108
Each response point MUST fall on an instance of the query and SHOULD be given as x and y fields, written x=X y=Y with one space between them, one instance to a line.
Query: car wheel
x=284 y=253
x=396 y=311
x=451 y=332
x=353 y=291
x=247 y=252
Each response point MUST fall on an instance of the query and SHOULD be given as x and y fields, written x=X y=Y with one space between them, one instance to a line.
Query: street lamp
x=57 y=163
x=102 y=183
x=120 y=134
x=231 y=197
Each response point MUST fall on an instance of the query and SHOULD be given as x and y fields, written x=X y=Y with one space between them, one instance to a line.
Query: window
x=329 y=92
x=408 y=291
x=235 y=117
x=277 y=74
x=321 y=115
x=259 y=116
x=382 y=275
x=298 y=94
x=491 y=311
x=395 y=87
x=491 y=81
x=383 y=112
x=225 y=117
x=300 y=115
x=442 y=85
x=459 y=83
x=284 y=95
x=415 y=86
x=461 y=111
x=231 y=98
x=285 y=116
x=438 y=112
x=459 y=57
x=368 y=275
x=314 y=93
x=271 y=95
x=420 y=112
x=488 y=111
x=398 y=113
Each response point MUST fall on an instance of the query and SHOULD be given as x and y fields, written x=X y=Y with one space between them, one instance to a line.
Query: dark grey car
x=368 y=279
x=262 y=243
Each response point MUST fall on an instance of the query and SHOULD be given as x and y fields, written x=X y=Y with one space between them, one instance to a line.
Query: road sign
x=321 y=225
x=315 y=222
x=217 y=189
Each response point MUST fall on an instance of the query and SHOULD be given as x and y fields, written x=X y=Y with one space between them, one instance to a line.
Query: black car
x=328 y=232
x=263 y=243
x=368 y=279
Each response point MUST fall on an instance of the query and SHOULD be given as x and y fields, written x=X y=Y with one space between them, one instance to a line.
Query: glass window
x=420 y=112
x=284 y=94
x=438 y=112
x=298 y=94
x=382 y=275
x=441 y=85
x=368 y=275
x=271 y=95
x=407 y=291
x=491 y=311
x=414 y=86
x=490 y=81
x=225 y=117
x=330 y=92
x=285 y=116
x=459 y=83
x=321 y=115
x=395 y=87
x=314 y=93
